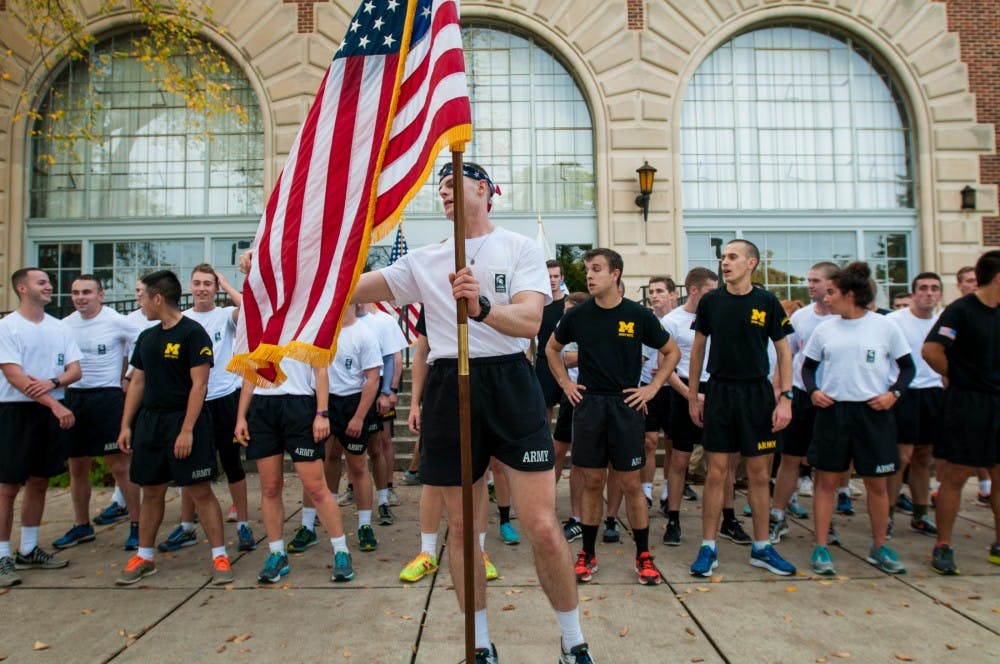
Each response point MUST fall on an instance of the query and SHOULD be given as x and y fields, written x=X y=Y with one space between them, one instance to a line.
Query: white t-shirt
x=387 y=332
x=915 y=330
x=678 y=324
x=299 y=380
x=805 y=321
x=506 y=263
x=42 y=350
x=858 y=354
x=221 y=328
x=104 y=341
x=357 y=351
x=573 y=372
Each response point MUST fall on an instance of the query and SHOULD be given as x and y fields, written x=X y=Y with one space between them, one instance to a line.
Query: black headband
x=472 y=171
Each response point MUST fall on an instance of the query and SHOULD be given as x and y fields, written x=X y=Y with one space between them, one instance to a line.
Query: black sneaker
x=39 y=558
x=577 y=655
x=672 y=536
x=664 y=507
x=689 y=493
x=487 y=655
x=611 y=534
x=572 y=530
x=943 y=560
x=385 y=516
x=733 y=531
x=8 y=573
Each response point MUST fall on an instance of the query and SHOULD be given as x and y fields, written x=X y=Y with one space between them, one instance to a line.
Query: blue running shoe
x=886 y=560
x=246 y=539
x=178 y=539
x=769 y=559
x=342 y=568
x=508 y=534
x=904 y=504
x=275 y=567
x=822 y=562
x=797 y=511
x=844 y=505
x=132 y=541
x=747 y=511
x=78 y=534
x=577 y=655
x=113 y=513
x=708 y=559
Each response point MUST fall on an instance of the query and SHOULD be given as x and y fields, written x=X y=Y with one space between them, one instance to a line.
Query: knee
x=546 y=536
x=630 y=482
x=318 y=492
x=592 y=481
x=270 y=490
x=651 y=443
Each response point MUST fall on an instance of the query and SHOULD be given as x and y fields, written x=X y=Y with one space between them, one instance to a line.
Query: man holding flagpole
x=505 y=287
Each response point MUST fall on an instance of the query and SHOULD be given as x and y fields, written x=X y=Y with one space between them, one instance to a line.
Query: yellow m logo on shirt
x=172 y=351
x=758 y=317
x=626 y=328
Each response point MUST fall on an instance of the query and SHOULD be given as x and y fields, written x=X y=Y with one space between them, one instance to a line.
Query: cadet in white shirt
x=38 y=358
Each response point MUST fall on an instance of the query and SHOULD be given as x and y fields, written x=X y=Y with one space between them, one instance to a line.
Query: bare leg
x=635 y=500
x=712 y=499
x=456 y=561
x=119 y=463
x=878 y=507
x=895 y=481
x=209 y=510
x=151 y=514
x=8 y=494
x=651 y=442
x=357 y=473
x=79 y=488
x=949 y=497
x=823 y=500
x=314 y=484
x=677 y=469
x=272 y=508
x=787 y=480
x=33 y=503
x=614 y=494
x=431 y=507
x=920 y=475
x=592 y=500
x=759 y=480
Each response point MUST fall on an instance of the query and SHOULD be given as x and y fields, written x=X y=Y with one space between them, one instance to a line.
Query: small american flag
x=410 y=313
x=947 y=332
x=393 y=97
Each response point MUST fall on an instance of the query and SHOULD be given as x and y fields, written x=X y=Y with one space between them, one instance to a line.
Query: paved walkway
x=743 y=615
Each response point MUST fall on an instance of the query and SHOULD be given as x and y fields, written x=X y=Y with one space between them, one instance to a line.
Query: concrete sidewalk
x=742 y=614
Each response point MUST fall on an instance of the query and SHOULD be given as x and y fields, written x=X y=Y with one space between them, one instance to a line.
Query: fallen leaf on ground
x=717 y=578
x=388 y=612
x=87 y=612
x=839 y=613
x=820 y=660
x=703 y=589
x=975 y=596
x=586 y=598
x=40 y=646
x=788 y=619
x=241 y=638
x=244 y=650
x=791 y=589
x=508 y=607
x=689 y=630
x=903 y=658
x=407 y=617
x=697 y=659
x=904 y=603
x=347 y=654
x=629 y=593
x=950 y=646
x=221 y=648
x=4 y=591
x=869 y=611
x=841 y=654
x=826 y=583
x=586 y=613
x=624 y=632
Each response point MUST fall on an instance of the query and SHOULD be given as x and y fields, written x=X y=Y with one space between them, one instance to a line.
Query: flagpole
x=464 y=411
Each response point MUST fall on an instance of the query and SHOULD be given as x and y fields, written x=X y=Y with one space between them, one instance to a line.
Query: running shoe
x=994 y=554
x=577 y=655
x=178 y=539
x=39 y=558
x=886 y=560
x=769 y=559
x=664 y=506
x=672 y=536
x=342 y=568
x=385 y=516
x=689 y=493
x=904 y=504
x=393 y=497
x=890 y=527
x=8 y=573
x=924 y=525
x=611 y=534
x=747 y=511
x=419 y=567
x=411 y=478
x=135 y=569
x=707 y=560
x=491 y=569
x=245 y=539
x=366 y=538
x=572 y=530
x=943 y=560
x=508 y=534
x=486 y=655
x=132 y=541
x=821 y=561
x=797 y=511
x=983 y=499
x=78 y=534
x=275 y=567
x=778 y=528
x=347 y=498
x=805 y=486
x=232 y=516
x=111 y=514
x=844 y=505
x=733 y=531
x=585 y=568
x=832 y=536
x=855 y=489
x=646 y=570
x=222 y=571
x=302 y=540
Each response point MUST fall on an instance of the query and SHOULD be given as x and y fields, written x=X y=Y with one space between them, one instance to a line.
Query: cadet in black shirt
x=608 y=422
x=551 y=314
x=964 y=347
x=173 y=437
x=739 y=414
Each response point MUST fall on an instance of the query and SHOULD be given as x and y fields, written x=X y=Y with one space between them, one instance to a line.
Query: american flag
x=409 y=313
x=393 y=97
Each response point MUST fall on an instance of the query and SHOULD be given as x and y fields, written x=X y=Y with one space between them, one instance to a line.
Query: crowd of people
x=793 y=397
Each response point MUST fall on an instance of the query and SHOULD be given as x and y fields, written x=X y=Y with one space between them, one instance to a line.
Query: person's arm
x=36 y=387
x=695 y=405
x=368 y=393
x=196 y=400
x=133 y=399
x=521 y=318
x=234 y=295
x=936 y=356
x=21 y=381
x=819 y=398
x=907 y=372
x=321 y=425
x=782 y=414
x=397 y=375
x=384 y=393
x=553 y=349
x=242 y=431
x=667 y=358
x=372 y=287
x=418 y=375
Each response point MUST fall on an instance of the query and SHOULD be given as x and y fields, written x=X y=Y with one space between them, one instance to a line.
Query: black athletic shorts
x=684 y=434
x=282 y=423
x=971 y=428
x=852 y=431
x=920 y=417
x=153 y=461
x=606 y=429
x=658 y=411
x=31 y=443
x=550 y=388
x=508 y=419
x=564 y=422
x=798 y=434
x=737 y=418
x=342 y=409
x=223 y=411
x=98 y=413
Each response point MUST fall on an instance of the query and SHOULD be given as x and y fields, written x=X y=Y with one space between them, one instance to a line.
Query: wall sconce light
x=646 y=173
x=968 y=198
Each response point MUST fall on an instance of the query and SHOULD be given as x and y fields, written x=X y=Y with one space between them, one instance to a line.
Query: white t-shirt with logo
x=858 y=354
x=387 y=332
x=221 y=328
x=357 y=351
x=678 y=323
x=916 y=330
x=299 y=380
x=104 y=341
x=42 y=350
x=504 y=262
x=805 y=321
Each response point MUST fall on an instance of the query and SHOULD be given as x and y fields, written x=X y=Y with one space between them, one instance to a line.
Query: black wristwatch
x=323 y=413
x=395 y=390
x=788 y=393
x=484 y=309
x=56 y=382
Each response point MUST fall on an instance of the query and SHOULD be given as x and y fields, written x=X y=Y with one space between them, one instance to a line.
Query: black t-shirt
x=740 y=326
x=167 y=357
x=970 y=332
x=551 y=315
x=610 y=342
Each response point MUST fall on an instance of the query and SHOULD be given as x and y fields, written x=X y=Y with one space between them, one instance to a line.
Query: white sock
x=709 y=543
x=569 y=623
x=383 y=496
x=188 y=526
x=118 y=497
x=777 y=514
x=145 y=552
x=482 y=541
x=429 y=543
x=482 y=630
x=5 y=549
x=219 y=551
x=794 y=500
x=276 y=547
x=309 y=517
x=364 y=518
x=647 y=488
x=29 y=539
x=663 y=496
x=844 y=491
x=985 y=486
x=759 y=546
x=339 y=544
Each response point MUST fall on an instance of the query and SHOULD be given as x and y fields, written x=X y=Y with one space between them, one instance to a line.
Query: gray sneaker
x=135 y=570
x=411 y=478
x=38 y=559
x=8 y=573
x=886 y=560
x=393 y=497
x=832 y=536
x=343 y=570
x=778 y=528
x=347 y=498
x=385 y=516
x=222 y=571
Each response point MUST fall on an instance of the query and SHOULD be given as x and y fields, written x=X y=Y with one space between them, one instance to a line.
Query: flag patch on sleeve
x=947 y=332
